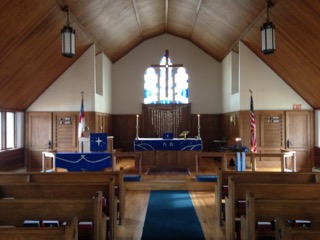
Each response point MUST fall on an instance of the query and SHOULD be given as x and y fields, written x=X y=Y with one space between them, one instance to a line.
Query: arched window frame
x=155 y=81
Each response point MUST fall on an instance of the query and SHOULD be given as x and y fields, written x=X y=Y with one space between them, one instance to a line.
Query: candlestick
x=137 y=122
x=198 y=127
x=137 y=127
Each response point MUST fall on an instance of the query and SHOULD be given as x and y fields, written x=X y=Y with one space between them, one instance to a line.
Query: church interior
x=187 y=95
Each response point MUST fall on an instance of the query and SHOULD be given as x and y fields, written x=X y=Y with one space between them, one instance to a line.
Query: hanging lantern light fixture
x=68 y=36
x=268 y=31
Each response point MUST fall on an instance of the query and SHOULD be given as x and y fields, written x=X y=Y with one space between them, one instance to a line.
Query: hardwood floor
x=136 y=207
x=137 y=202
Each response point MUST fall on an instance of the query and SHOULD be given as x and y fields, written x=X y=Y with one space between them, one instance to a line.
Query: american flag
x=253 y=128
x=81 y=123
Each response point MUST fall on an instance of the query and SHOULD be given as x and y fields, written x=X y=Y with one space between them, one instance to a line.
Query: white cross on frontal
x=99 y=141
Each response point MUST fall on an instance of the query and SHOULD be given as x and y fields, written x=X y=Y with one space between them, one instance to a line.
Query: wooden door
x=39 y=138
x=298 y=137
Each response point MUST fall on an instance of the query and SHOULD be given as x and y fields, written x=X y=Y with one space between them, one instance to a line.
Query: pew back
x=68 y=232
x=72 y=177
x=284 y=231
x=258 y=177
x=65 y=191
x=16 y=211
x=269 y=209
x=237 y=192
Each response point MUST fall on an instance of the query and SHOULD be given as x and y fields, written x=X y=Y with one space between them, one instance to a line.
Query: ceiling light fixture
x=268 y=31
x=68 y=35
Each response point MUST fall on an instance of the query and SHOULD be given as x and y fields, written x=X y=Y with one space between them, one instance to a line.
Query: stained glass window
x=165 y=84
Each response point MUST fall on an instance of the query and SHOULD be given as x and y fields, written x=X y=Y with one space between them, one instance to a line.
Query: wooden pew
x=85 y=177
x=15 y=211
x=237 y=191
x=80 y=177
x=260 y=209
x=258 y=177
x=66 y=191
x=67 y=232
x=284 y=231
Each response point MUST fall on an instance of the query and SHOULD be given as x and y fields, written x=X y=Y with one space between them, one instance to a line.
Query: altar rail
x=284 y=158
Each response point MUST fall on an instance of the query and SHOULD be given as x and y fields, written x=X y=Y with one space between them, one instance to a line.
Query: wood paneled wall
x=97 y=123
x=317 y=157
x=124 y=130
x=271 y=132
x=274 y=128
x=12 y=159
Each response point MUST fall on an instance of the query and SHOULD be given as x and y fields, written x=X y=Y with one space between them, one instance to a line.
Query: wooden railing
x=284 y=156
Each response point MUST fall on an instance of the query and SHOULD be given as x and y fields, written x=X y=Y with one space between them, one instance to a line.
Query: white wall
x=65 y=93
x=270 y=92
x=204 y=75
x=210 y=82
x=230 y=75
x=103 y=81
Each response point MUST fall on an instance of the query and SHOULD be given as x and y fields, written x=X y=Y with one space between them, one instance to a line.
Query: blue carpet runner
x=171 y=215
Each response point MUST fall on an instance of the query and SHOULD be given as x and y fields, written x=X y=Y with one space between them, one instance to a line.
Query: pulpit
x=93 y=155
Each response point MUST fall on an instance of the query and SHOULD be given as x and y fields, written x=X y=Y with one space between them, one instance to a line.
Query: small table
x=221 y=155
x=45 y=156
x=136 y=155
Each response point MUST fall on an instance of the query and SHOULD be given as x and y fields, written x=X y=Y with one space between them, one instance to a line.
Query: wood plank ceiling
x=30 y=59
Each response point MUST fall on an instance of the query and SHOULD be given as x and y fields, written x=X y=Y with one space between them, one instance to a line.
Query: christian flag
x=81 y=123
x=252 y=127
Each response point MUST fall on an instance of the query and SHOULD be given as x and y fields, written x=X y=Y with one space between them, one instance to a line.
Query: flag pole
x=81 y=123
x=252 y=125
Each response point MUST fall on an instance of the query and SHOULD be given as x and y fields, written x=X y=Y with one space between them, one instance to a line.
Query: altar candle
x=137 y=121
x=198 y=120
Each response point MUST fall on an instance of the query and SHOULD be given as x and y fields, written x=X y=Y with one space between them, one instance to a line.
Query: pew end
x=243 y=227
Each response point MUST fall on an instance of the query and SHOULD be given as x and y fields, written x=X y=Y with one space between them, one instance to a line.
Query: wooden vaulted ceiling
x=30 y=42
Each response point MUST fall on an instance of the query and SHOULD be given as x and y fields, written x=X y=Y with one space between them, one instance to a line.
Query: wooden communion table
x=168 y=153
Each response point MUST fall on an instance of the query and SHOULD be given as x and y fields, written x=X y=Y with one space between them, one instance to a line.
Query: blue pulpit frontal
x=83 y=161
x=167 y=135
x=98 y=142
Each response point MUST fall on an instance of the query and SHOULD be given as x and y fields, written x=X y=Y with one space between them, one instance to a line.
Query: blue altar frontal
x=175 y=144
x=83 y=161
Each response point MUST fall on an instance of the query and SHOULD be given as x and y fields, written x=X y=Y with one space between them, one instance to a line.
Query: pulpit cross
x=166 y=66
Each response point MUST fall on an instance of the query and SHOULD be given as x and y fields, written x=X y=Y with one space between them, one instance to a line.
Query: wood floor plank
x=136 y=208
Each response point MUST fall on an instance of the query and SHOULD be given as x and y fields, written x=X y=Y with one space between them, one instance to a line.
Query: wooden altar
x=168 y=153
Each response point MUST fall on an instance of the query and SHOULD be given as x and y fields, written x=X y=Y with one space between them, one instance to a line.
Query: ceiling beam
x=137 y=16
x=166 y=7
x=196 y=18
